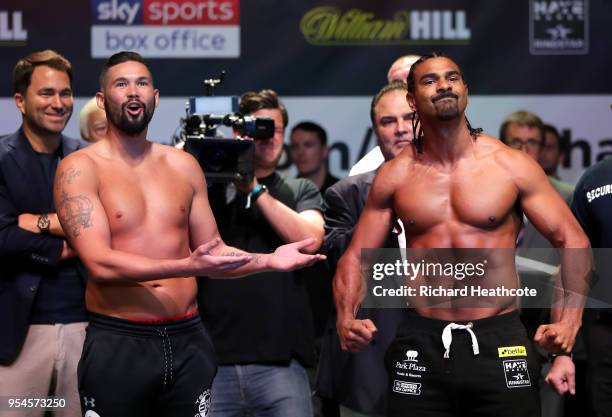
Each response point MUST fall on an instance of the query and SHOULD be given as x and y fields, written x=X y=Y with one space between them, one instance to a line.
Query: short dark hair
x=22 y=73
x=562 y=141
x=120 y=58
x=412 y=82
x=314 y=128
x=394 y=86
x=521 y=118
x=252 y=101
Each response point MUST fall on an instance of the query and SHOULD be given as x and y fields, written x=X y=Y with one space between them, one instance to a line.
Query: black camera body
x=223 y=159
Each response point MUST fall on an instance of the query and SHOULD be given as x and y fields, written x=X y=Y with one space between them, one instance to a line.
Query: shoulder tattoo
x=67 y=176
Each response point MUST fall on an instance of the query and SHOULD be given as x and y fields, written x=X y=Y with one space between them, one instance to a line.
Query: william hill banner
x=331 y=26
x=320 y=47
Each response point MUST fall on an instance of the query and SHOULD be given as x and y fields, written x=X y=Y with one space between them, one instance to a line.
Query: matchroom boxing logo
x=166 y=28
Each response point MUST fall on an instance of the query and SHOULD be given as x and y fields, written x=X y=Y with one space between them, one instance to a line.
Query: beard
x=131 y=126
x=449 y=109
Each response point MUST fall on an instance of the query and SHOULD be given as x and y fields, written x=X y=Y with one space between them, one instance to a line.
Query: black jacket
x=356 y=380
x=25 y=256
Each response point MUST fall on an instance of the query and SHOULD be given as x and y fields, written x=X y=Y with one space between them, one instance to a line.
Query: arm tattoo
x=254 y=258
x=75 y=213
x=67 y=176
x=233 y=254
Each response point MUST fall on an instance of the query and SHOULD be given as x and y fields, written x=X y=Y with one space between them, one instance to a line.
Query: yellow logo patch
x=507 y=351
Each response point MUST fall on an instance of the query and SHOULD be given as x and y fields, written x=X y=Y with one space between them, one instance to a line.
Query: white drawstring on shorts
x=447 y=337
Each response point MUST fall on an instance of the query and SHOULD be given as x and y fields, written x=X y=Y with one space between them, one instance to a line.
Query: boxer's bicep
x=79 y=208
x=545 y=208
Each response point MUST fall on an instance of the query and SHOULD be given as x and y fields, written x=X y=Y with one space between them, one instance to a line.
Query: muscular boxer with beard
x=138 y=215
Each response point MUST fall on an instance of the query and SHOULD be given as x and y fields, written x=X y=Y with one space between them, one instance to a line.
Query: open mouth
x=134 y=108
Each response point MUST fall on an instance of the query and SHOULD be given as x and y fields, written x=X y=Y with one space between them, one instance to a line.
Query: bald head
x=399 y=69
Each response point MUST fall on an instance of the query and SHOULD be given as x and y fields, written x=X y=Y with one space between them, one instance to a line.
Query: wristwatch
x=43 y=223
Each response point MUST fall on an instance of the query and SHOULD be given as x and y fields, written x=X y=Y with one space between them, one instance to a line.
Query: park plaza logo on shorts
x=408 y=368
x=203 y=403
x=516 y=372
x=410 y=363
x=508 y=351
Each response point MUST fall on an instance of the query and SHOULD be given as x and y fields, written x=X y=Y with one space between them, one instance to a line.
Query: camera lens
x=215 y=159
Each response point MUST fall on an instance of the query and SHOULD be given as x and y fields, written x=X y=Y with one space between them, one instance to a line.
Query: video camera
x=222 y=159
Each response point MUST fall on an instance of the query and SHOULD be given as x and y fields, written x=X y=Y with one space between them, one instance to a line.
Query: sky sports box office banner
x=328 y=58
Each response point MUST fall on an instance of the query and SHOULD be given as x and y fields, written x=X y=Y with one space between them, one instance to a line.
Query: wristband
x=254 y=194
x=553 y=356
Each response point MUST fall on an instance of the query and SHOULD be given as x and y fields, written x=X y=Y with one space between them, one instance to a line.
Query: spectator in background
x=358 y=381
x=261 y=327
x=592 y=205
x=308 y=149
x=42 y=283
x=398 y=71
x=92 y=121
x=524 y=130
x=553 y=151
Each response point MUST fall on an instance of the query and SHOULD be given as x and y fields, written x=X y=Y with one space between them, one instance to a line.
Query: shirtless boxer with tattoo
x=138 y=215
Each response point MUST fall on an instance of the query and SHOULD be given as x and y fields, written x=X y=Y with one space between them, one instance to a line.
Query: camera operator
x=261 y=326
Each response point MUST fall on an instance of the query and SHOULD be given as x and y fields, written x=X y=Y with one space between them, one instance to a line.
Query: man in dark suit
x=42 y=306
x=358 y=381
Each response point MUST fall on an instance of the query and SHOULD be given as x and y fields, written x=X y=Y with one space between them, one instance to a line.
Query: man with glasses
x=525 y=130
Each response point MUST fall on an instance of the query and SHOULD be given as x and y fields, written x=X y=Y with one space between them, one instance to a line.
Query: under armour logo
x=89 y=402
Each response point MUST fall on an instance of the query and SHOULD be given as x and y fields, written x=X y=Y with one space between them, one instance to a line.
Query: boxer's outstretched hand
x=288 y=257
x=206 y=263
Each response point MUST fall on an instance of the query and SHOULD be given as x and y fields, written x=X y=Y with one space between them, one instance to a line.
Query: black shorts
x=146 y=369
x=501 y=380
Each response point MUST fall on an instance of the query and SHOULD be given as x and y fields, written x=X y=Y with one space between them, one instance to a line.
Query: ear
x=156 y=92
x=100 y=100
x=20 y=102
x=411 y=101
x=325 y=151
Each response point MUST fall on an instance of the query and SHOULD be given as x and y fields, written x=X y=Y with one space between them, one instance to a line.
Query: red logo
x=191 y=12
